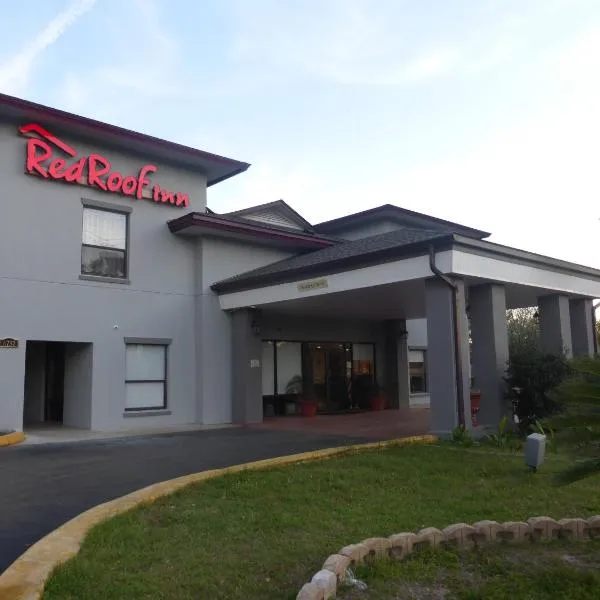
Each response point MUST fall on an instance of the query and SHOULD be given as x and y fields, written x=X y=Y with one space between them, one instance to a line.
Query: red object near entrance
x=308 y=408
x=377 y=403
x=475 y=405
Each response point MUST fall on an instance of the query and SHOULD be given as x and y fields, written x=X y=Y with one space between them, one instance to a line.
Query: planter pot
x=308 y=408
x=377 y=403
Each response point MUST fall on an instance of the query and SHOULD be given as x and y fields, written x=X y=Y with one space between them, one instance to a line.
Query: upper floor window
x=104 y=243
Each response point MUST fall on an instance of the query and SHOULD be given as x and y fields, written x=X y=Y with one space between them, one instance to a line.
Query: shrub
x=530 y=377
x=577 y=422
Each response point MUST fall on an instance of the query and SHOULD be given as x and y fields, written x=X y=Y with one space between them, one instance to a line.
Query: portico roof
x=394 y=245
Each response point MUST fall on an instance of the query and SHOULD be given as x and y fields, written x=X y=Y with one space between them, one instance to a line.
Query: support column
x=555 y=324
x=396 y=363
x=441 y=336
x=582 y=326
x=489 y=334
x=246 y=370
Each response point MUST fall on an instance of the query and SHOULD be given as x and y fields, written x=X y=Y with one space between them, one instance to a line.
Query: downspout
x=457 y=354
x=594 y=307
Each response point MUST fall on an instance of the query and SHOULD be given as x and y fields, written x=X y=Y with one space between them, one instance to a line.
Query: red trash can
x=475 y=405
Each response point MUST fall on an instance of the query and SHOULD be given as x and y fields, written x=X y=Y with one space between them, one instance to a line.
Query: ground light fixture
x=535 y=450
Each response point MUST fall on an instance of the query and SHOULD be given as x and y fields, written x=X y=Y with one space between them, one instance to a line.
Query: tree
x=523 y=330
x=577 y=424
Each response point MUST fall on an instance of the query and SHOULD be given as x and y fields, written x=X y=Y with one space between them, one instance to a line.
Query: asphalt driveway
x=43 y=486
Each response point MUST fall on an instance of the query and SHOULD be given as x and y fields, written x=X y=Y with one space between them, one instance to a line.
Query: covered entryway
x=58 y=384
x=462 y=287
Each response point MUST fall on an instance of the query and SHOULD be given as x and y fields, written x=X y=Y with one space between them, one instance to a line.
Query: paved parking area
x=42 y=486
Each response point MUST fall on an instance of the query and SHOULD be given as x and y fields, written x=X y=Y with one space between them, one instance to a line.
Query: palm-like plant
x=577 y=425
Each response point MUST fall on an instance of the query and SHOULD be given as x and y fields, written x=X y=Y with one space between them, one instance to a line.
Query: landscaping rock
x=430 y=537
x=326 y=581
x=573 y=529
x=401 y=544
x=514 y=532
x=593 y=524
x=543 y=528
x=377 y=547
x=310 y=591
x=486 y=531
x=459 y=535
x=355 y=552
x=337 y=564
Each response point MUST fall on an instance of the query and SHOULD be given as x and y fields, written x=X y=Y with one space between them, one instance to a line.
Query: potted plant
x=376 y=397
x=308 y=406
x=294 y=387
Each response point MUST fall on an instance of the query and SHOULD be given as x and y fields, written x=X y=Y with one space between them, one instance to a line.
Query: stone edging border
x=26 y=577
x=10 y=439
x=323 y=585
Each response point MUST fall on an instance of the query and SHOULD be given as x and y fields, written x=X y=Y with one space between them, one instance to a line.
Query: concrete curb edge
x=10 y=439
x=26 y=578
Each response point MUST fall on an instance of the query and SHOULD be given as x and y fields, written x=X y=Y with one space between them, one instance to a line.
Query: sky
x=482 y=112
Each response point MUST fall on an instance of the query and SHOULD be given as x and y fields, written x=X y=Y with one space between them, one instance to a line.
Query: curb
x=324 y=583
x=10 y=439
x=26 y=577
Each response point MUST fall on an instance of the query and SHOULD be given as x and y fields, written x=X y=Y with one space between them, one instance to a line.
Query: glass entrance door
x=327 y=372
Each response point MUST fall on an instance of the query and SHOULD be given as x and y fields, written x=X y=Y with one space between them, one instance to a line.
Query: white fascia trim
x=373 y=275
x=504 y=271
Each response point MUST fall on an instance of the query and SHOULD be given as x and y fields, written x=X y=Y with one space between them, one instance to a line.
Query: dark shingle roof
x=353 y=252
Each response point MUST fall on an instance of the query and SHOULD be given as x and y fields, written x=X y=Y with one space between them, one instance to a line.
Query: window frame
x=422 y=349
x=163 y=343
x=111 y=208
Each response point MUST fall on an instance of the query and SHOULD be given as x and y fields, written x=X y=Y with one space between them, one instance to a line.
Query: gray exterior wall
x=44 y=299
x=220 y=259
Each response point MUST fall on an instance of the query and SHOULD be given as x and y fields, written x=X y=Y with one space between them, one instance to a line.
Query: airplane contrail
x=18 y=68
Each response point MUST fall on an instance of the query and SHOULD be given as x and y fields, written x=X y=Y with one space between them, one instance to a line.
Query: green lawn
x=261 y=535
x=556 y=571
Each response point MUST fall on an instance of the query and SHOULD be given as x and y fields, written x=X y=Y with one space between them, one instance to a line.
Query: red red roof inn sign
x=51 y=158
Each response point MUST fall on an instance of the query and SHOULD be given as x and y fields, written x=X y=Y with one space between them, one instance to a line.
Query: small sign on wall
x=313 y=284
x=10 y=343
x=254 y=363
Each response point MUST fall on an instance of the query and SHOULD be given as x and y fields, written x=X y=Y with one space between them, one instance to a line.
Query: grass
x=552 y=572
x=261 y=535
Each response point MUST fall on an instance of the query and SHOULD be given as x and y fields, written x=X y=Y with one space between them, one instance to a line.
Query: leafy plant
x=462 y=436
x=577 y=424
x=295 y=385
x=501 y=436
x=530 y=378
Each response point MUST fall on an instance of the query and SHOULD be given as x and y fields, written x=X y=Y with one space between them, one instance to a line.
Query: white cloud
x=534 y=186
x=135 y=73
x=15 y=75
x=354 y=42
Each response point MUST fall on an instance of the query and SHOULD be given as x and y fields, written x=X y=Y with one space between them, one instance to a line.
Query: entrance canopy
x=352 y=280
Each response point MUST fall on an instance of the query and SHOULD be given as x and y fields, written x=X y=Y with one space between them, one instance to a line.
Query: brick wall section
x=324 y=583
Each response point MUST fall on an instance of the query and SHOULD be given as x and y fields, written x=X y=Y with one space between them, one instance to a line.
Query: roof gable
x=401 y=217
x=277 y=213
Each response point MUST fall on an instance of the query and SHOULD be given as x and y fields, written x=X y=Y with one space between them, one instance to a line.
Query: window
x=417 y=371
x=104 y=243
x=289 y=364
x=145 y=376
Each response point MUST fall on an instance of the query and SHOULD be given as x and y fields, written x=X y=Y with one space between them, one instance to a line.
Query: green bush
x=530 y=378
x=577 y=422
